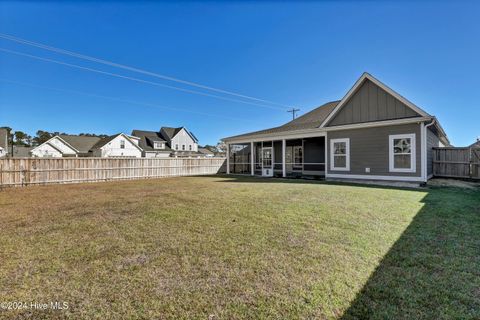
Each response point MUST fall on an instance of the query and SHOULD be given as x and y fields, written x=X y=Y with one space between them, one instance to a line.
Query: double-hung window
x=340 y=154
x=402 y=153
x=122 y=144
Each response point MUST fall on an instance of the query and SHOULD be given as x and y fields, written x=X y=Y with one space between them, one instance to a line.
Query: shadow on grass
x=433 y=269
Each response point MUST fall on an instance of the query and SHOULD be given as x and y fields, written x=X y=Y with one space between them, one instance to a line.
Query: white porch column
x=284 y=166
x=252 y=159
x=228 y=158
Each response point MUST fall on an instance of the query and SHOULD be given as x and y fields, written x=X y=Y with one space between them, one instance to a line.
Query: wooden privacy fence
x=456 y=162
x=33 y=171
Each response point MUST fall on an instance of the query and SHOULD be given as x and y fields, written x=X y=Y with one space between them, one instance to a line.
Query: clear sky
x=296 y=54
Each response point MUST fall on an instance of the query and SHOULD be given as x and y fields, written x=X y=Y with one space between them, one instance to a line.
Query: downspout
x=425 y=177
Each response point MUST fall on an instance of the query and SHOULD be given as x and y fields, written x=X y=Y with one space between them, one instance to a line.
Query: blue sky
x=299 y=54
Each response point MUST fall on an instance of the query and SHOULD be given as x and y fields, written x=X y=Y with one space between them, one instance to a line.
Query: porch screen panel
x=240 y=158
x=314 y=154
x=277 y=150
x=293 y=157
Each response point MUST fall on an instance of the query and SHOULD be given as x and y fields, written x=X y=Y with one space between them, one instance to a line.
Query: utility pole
x=293 y=111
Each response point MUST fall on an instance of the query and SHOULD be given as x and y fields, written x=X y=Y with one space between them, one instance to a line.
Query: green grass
x=240 y=248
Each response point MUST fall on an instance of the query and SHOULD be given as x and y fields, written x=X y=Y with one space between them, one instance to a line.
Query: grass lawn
x=240 y=248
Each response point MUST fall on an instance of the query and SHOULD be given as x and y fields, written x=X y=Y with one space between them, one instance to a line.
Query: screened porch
x=278 y=158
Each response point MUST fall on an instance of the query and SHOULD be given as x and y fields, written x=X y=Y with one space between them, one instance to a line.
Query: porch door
x=267 y=163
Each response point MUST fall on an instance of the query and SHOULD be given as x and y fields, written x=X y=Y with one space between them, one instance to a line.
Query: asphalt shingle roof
x=82 y=143
x=309 y=120
x=147 y=138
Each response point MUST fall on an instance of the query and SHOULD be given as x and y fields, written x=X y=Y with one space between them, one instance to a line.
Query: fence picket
x=34 y=171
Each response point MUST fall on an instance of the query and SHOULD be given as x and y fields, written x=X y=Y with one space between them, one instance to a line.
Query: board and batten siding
x=369 y=148
x=371 y=103
x=183 y=138
x=433 y=141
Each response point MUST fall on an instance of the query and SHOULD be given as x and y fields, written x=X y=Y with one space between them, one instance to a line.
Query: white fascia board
x=358 y=83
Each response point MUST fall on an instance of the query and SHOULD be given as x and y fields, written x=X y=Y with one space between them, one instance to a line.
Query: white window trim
x=413 y=158
x=347 y=160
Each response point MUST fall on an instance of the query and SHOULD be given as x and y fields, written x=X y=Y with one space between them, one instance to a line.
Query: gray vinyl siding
x=371 y=103
x=432 y=141
x=369 y=148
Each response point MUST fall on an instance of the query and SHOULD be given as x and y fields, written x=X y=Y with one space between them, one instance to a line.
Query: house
x=168 y=142
x=65 y=146
x=372 y=133
x=21 y=151
x=117 y=145
x=3 y=142
x=206 y=153
x=153 y=144
x=476 y=144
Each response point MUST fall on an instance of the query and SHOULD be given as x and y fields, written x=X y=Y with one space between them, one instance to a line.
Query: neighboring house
x=206 y=153
x=65 y=146
x=3 y=142
x=118 y=145
x=475 y=144
x=152 y=143
x=181 y=141
x=168 y=142
x=373 y=133
x=21 y=152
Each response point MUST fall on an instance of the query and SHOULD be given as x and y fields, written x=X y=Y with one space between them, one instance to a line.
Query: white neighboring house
x=168 y=142
x=118 y=145
x=64 y=146
x=182 y=142
x=3 y=142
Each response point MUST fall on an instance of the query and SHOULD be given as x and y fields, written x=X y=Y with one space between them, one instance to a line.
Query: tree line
x=20 y=138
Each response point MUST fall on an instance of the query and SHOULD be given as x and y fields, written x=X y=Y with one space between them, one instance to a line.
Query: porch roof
x=309 y=120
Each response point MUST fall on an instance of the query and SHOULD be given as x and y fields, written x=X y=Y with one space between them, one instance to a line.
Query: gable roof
x=366 y=76
x=205 y=151
x=82 y=144
x=102 y=142
x=309 y=120
x=172 y=132
x=147 y=138
x=476 y=144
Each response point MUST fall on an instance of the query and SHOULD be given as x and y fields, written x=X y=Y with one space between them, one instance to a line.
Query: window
x=176 y=147
x=158 y=145
x=190 y=147
x=122 y=144
x=183 y=147
x=402 y=153
x=340 y=154
x=297 y=156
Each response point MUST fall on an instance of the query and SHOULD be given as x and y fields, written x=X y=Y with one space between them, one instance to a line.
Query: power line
x=125 y=67
x=136 y=79
x=121 y=100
